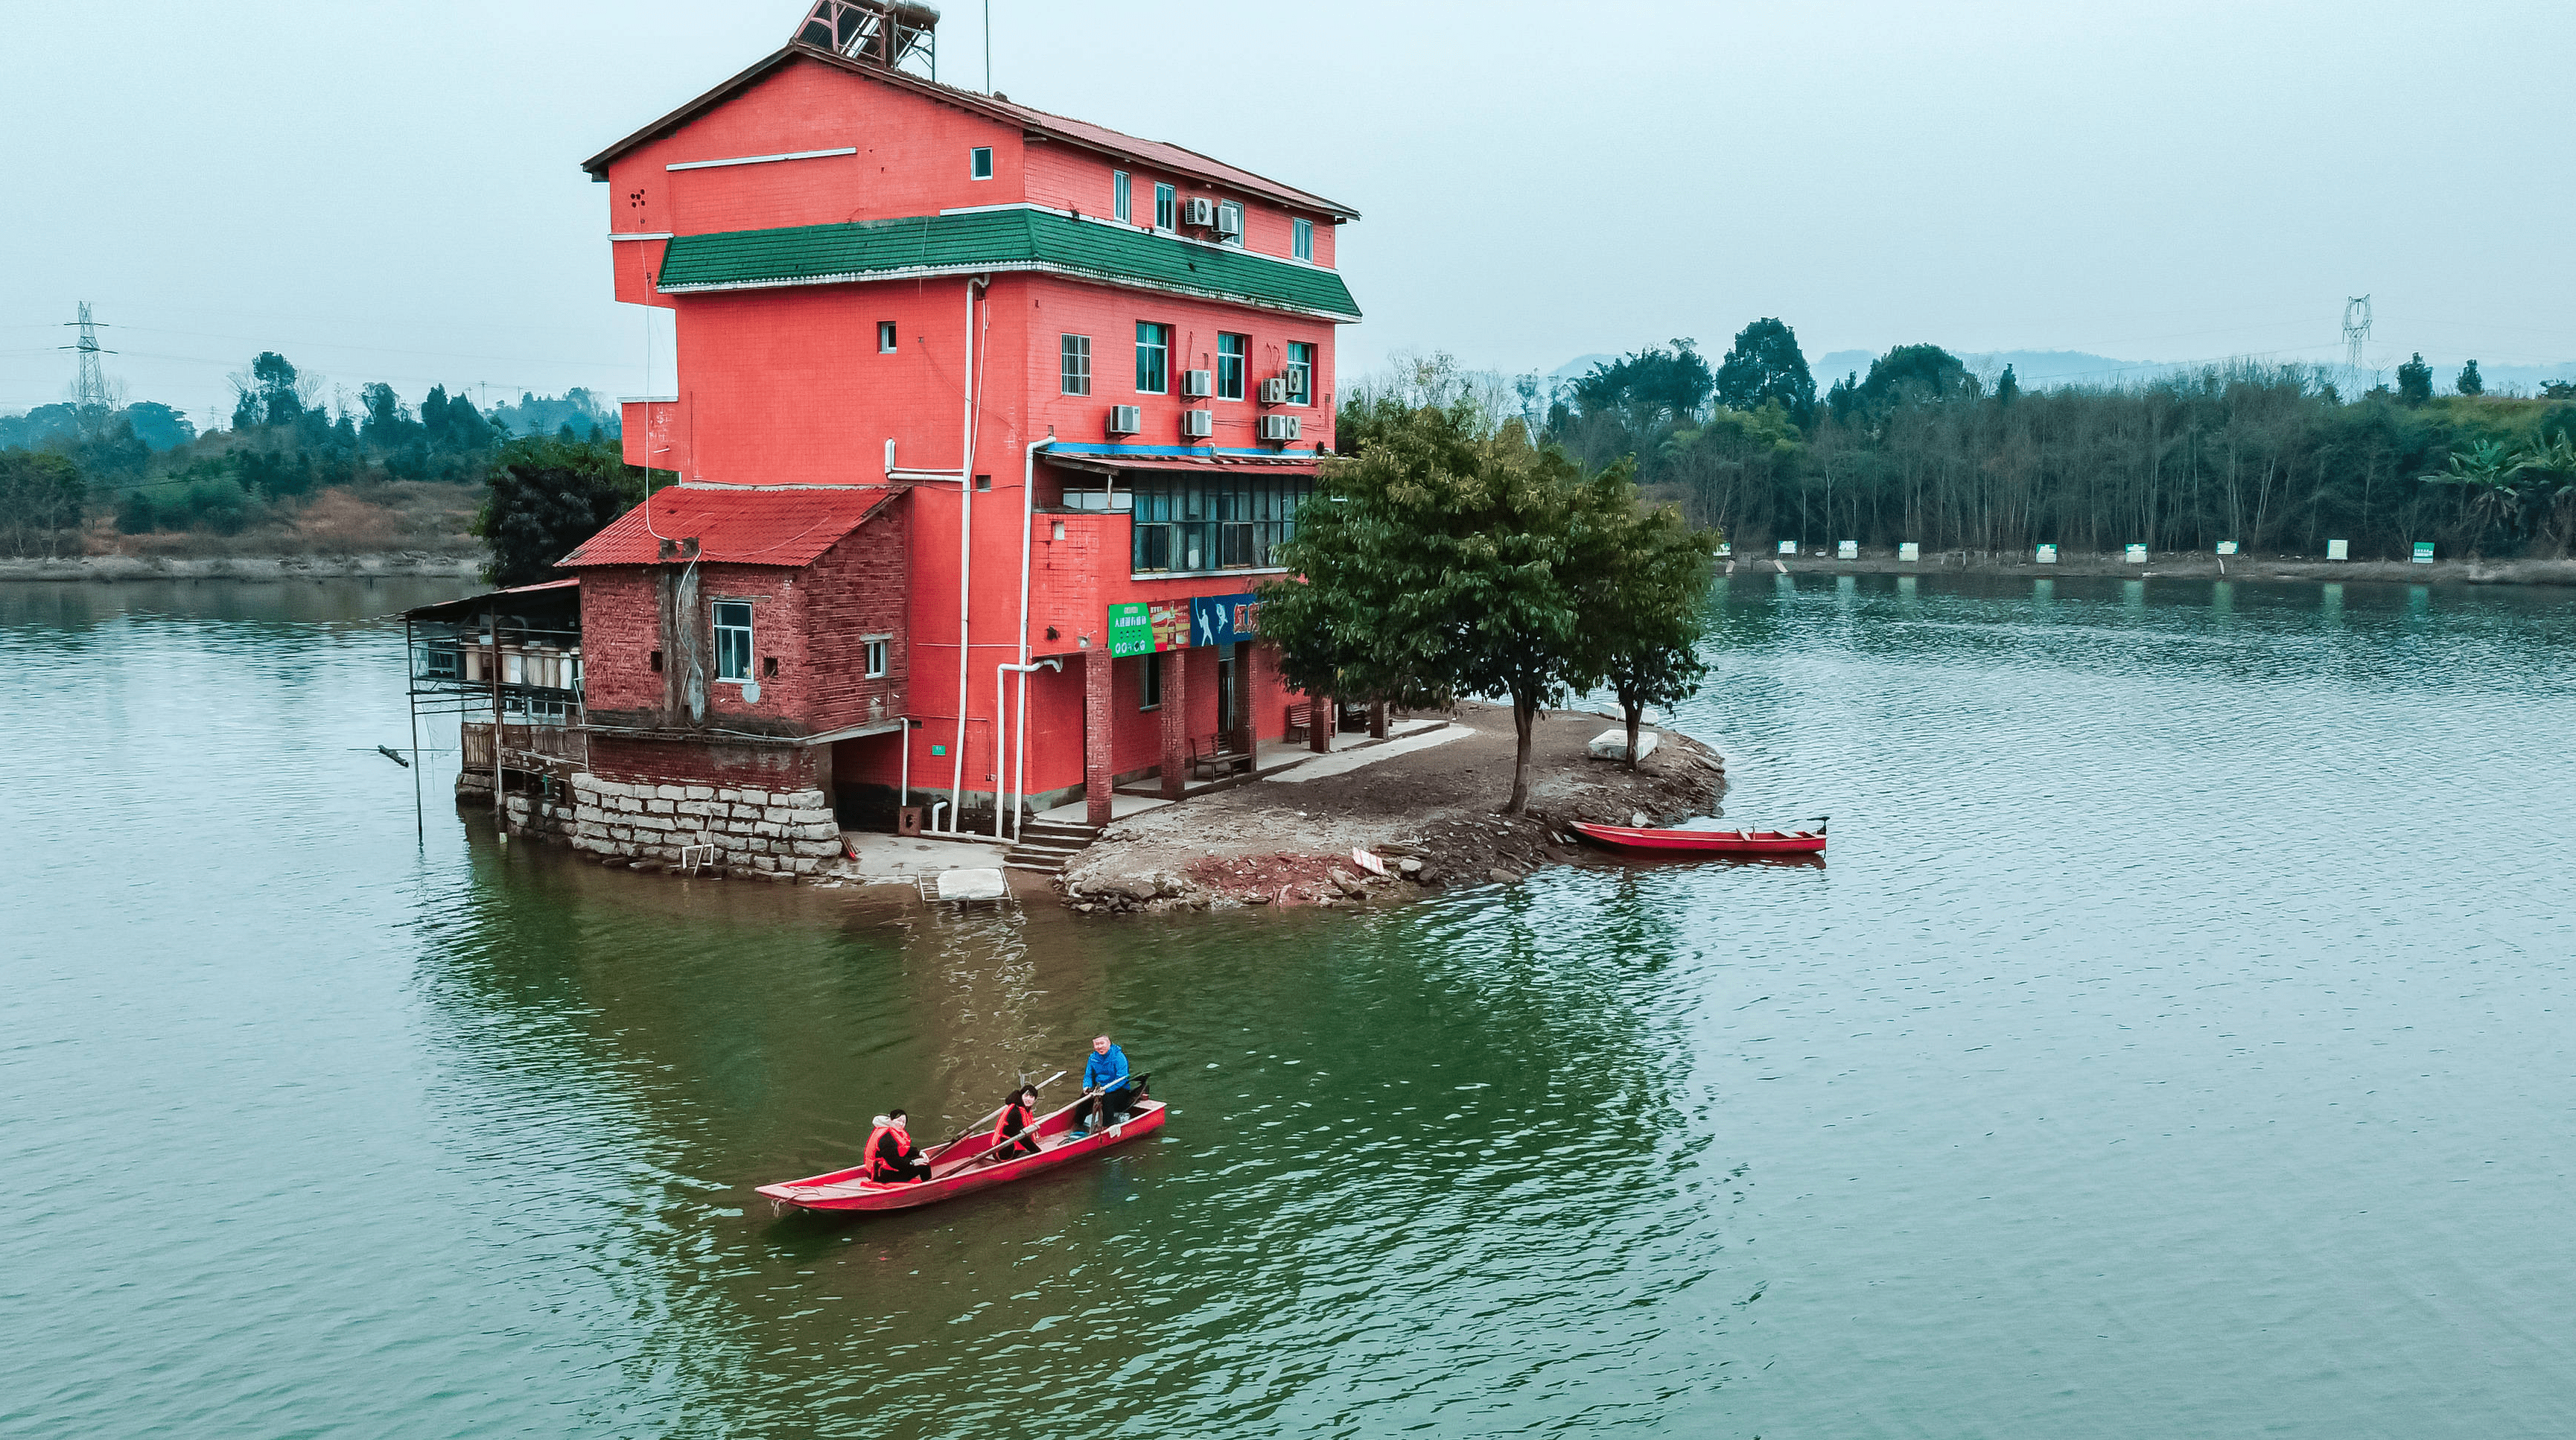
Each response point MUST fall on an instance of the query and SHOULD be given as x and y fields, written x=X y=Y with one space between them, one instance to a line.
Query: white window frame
x=724 y=632
x=889 y=340
x=1167 y=209
x=1235 y=209
x=873 y=653
x=1122 y=198
x=1242 y=358
x=1069 y=349
x=1301 y=395
x=1301 y=240
x=1163 y=344
x=979 y=159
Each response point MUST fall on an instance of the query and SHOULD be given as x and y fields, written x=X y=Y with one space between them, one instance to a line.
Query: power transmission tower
x=2356 y=330
x=91 y=390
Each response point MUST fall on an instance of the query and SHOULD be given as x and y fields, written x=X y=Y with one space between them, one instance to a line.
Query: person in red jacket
x=1012 y=1136
x=892 y=1159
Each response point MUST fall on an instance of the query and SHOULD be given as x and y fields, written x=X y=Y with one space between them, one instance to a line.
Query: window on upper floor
x=1229 y=222
x=1076 y=378
x=1180 y=526
x=1153 y=358
x=1167 y=208
x=1301 y=373
x=1119 y=198
x=1230 y=352
x=1301 y=239
x=979 y=163
x=873 y=652
x=886 y=342
x=733 y=639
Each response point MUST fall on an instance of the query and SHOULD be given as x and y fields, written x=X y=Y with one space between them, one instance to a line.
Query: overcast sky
x=393 y=192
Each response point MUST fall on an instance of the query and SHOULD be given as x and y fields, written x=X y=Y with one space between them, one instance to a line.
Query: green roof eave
x=999 y=242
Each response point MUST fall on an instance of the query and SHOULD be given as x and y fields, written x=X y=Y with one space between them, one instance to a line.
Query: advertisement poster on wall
x=1144 y=627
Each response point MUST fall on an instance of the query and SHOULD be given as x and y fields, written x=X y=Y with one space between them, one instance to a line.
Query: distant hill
x=2047 y=369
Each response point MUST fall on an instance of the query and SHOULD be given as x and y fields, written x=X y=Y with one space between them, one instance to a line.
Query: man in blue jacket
x=1104 y=1078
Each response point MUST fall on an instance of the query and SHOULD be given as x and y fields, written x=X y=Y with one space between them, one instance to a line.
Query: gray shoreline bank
x=113 y=569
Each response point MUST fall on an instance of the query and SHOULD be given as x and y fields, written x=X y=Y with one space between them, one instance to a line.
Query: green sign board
x=1141 y=627
x=2423 y=552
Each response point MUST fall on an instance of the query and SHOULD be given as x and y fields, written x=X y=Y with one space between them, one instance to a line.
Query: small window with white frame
x=887 y=343
x=1153 y=358
x=872 y=651
x=979 y=163
x=1301 y=373
x=1229 y=222
x=1167 y=208
x=1301 y=239
x=1077 y=365
x=1121 y=199
x=733 y=640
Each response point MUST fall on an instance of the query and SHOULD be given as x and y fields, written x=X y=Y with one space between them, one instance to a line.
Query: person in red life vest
x=1011 y=1133
x=892 y=1160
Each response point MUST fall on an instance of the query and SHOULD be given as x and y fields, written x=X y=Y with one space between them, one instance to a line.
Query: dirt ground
x=1431 y=814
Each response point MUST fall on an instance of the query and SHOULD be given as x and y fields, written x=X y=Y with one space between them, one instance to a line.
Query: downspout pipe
x=1028 y=522
x=1018 y=791
x=975 y=286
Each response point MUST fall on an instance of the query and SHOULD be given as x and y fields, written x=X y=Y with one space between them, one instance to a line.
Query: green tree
x=1644 y=579
x=1763 y=365
x=1654 y=383
x=2007 y=387
x=2414 y=381
x=2470 y=382
x=546 y=497
x=42 y=502
x=1439 y=561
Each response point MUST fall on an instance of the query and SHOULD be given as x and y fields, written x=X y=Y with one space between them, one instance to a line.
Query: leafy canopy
x=546 y=496
x=1765 y=365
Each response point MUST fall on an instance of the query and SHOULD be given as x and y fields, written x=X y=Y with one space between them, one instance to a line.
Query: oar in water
x=932 y=1154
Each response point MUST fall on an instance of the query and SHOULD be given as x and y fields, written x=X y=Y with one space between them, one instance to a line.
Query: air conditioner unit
x=1229 y=222
x=1126 y=419
x=1198 y=382
x=1274 y=392
x=1279 y=427
x=1198 y=424
x=1198 y=210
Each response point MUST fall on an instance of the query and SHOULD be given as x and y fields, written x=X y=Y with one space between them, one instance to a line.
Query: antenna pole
x=988 y=47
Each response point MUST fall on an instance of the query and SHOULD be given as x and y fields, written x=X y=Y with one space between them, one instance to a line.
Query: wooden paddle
x=932 y=1154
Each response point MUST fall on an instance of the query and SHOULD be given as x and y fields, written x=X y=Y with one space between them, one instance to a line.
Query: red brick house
x=987 y=422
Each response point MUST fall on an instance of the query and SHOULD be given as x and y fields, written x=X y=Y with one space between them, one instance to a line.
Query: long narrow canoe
x=963 y=1167
x=1704 y=842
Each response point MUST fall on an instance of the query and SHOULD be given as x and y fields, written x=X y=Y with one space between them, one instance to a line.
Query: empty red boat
x=962 y=1166
x=1706 y=842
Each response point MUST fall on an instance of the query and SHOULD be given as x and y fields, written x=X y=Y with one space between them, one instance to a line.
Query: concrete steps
x=1045 y=845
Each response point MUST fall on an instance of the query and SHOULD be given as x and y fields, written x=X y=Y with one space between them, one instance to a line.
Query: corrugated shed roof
x=1152 y=153
x=1189 y=465
x=734 y=525
x=999 y=240
x=522 y=598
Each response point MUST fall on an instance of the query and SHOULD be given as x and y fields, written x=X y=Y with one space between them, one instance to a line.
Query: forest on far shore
x=2273 y=457
x=290 y=474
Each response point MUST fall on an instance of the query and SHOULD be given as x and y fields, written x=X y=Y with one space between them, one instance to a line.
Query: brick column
x=1097 y=753
x=1176 y=720
x=1259 y=676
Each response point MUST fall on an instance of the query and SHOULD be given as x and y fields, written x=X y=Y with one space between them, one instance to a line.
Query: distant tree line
x=146 y=465
x=1919 y=448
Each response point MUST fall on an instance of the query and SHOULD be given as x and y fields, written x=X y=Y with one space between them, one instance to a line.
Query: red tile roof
x=733 y=524
x=1151 y=153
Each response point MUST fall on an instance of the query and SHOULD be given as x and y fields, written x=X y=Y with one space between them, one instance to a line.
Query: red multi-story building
x=985 y=424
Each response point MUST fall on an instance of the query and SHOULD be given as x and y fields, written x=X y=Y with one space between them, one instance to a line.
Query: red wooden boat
x=1705 y=842
x=960 y=1167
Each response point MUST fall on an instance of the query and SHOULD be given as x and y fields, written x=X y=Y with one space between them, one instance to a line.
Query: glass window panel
x=1230 y=352
x=1077 y=365
x=1153 y=358
x=1304 y=242
x=1118 y=193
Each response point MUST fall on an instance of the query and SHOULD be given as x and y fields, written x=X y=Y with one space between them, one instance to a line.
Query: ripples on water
x=2174 y=1044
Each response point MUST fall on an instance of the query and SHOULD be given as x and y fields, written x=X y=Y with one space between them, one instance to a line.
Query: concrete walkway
x=903 y=860
x=1342 y=762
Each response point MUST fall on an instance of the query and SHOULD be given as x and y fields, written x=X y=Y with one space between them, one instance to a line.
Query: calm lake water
x=2177 y=1043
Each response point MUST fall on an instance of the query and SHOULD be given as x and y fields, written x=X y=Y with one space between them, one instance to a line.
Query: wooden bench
x=1301 y=722
x=1209 y=758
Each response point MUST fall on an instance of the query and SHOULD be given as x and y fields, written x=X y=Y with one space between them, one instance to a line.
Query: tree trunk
x=1524 y=715
x=1636 y=714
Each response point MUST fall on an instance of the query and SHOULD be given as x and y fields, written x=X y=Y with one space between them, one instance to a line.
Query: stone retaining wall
x=787 y=832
